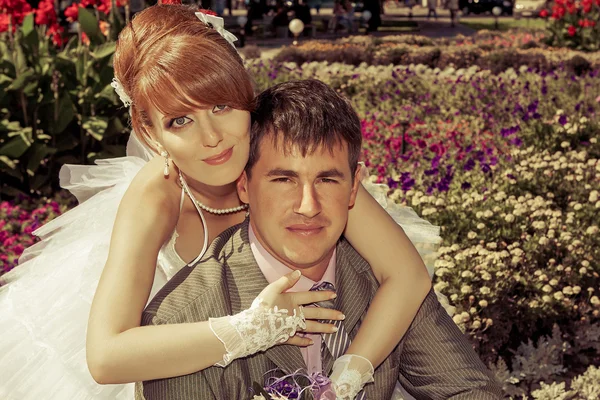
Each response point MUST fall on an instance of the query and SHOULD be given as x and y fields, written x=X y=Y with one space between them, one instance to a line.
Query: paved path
x=434 y=28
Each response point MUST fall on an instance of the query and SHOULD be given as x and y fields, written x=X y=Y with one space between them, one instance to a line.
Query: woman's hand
x=276 y=295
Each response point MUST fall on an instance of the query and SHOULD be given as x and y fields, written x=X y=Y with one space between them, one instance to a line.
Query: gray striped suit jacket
x=434 y=360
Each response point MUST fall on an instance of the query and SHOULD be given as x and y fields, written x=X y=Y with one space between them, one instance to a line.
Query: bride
x=143 y=217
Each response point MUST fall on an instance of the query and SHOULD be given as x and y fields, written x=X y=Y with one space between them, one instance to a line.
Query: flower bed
x=508 y=165
x=19 y=219
x=486 y=49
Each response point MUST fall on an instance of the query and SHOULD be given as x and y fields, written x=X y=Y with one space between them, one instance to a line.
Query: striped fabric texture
x=434 y=360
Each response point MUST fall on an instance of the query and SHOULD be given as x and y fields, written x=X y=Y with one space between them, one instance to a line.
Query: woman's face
x=209 y=145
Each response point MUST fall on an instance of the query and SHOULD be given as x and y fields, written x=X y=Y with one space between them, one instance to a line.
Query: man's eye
x=327 y=180
x=179 y=122
x=219 y=108
x=281 y=180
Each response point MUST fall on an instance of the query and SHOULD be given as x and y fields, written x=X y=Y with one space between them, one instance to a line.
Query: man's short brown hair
x=305 y=115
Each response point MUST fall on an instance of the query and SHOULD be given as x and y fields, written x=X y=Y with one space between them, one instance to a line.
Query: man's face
x=299 y=205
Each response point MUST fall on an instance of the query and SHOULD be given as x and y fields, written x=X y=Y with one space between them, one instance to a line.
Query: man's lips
x=219 y=158
x=305 y=230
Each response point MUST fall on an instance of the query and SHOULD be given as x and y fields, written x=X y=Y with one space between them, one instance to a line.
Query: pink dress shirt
x=273 y=269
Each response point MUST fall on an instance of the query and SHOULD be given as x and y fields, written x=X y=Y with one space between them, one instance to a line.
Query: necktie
x=337 y=342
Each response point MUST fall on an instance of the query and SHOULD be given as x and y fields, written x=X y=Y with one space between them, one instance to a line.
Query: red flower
x=586 y=23
x=207 y=12
x=169 y=1
x=572 y=30
x=56 y=32
x=544 y=13
x=558 y=11
x=72 y=12
x=45 y=14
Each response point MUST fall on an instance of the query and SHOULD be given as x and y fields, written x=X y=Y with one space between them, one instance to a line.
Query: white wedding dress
x=45 y=301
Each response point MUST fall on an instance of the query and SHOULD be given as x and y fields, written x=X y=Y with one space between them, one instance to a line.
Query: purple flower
x=469 y=165
x=516 y=141
x=562 y=120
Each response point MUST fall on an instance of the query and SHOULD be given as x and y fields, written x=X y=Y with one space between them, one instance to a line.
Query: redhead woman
x=70 y=314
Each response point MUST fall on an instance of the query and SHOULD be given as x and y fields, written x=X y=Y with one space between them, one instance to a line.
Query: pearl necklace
x=219 y=211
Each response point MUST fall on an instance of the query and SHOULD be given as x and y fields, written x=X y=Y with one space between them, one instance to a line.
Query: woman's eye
x=179 y=122
x=219 y=108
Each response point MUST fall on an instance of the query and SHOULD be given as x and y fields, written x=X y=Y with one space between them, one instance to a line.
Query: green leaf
x=8 y=162
x=30 y=35
x=28 y=25
x=88 y=23
x=107 y=93
x=104 y=50
x=37 y=153
x=4 y=79
x=66 y=113
x=20 y=82
x=95 y=126
x=15 y=148
x=38 y=181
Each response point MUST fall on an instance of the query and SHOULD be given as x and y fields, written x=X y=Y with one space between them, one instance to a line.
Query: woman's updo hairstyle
x=167 y=58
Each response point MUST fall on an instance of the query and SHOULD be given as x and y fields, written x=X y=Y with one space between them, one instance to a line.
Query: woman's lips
x=220 y=158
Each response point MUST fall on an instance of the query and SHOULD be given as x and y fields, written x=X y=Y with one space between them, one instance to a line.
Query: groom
x=300 y=182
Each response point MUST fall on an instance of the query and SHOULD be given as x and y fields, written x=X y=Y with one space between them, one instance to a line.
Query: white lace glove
x=349 y=375
x=255 y=329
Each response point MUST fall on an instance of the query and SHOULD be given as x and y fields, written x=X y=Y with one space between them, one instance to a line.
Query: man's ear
x=242 y=188
x=355 y=185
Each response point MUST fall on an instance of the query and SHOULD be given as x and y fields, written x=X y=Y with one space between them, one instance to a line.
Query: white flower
x=576 y=289
x=534 y=304
x=577 y=207
x=594 y=300
x=471 y=235
x=480 y=225
x=438 y=287
x=485 y=290
x=483 y=303
x=509 y=218
x=547 y=288
x=585 y=263
x=592 y=230
x=429 y=211
x=466 y=289
x=553 y=282
x=467 y=274
x=543 y=241
x=546 y=299
x=457 y=319
x=568 y=290
x=593 y=196
x=559 y=296
x=564 y=145
x=476 y=324
x=582 y=271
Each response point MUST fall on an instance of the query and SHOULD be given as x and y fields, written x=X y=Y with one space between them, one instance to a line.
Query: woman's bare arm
x=119 y=350
x=397 y=265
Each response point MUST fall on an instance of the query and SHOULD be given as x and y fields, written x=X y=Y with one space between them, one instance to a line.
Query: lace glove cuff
x=350 y=373
x=255 y=329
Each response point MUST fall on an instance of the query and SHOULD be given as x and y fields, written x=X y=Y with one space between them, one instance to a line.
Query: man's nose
x=309 y=205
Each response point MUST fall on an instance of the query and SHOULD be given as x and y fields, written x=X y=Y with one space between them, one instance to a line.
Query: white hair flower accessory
x=116 y=84
x=218 y=24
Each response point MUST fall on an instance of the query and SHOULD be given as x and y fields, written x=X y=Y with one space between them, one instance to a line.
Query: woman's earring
x=166 y=156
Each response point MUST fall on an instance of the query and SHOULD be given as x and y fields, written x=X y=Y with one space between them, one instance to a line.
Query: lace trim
x=256 y=329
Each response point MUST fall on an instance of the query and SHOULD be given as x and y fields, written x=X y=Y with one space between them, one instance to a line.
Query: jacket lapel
x=245 y=282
